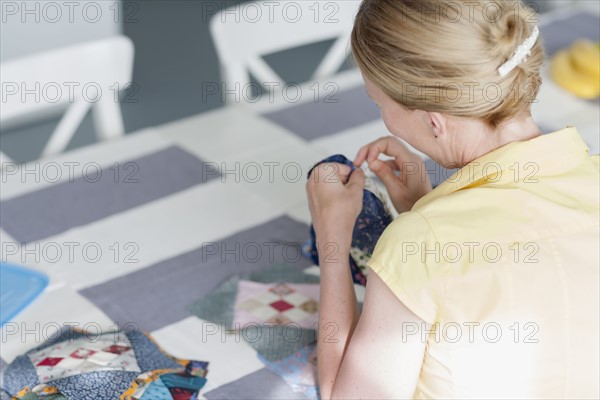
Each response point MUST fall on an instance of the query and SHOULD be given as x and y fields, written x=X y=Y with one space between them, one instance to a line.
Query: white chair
x=76 y=78
x=244 y=33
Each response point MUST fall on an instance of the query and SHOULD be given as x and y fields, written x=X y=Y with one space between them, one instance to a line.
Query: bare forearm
x=338 y=311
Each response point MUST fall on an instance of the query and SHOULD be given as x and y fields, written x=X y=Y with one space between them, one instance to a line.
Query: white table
x=161 y=229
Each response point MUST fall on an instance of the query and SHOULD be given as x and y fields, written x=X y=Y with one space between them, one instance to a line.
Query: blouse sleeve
x=405 y=259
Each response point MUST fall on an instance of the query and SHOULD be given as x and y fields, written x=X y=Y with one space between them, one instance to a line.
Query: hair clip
x=521 y=54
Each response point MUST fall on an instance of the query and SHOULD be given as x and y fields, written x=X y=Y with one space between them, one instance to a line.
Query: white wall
x=29 y=26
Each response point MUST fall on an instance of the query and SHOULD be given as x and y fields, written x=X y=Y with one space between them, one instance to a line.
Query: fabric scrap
x=370 y=224
x=299 y=370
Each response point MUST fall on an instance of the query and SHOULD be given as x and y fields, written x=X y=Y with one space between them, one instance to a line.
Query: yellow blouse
x=502 y=260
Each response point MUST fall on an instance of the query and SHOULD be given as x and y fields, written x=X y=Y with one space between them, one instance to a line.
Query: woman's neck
x=520 y=129
x=482 y=139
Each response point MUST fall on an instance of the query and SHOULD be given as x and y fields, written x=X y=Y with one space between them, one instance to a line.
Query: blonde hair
x=443 y=56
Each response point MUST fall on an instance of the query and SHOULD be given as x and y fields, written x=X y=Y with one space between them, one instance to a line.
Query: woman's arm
x=373 y=356
x=338 y=313
x=385 y=353
x=335 y=201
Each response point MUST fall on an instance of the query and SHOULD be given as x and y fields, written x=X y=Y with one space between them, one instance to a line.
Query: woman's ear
x=438 y=124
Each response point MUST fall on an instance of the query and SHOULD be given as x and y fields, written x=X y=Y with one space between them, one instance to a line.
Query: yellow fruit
x=565 y=74
x=586 y=57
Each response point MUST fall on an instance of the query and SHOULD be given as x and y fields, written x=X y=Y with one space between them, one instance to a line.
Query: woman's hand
x=412 y=182
x=335 y=201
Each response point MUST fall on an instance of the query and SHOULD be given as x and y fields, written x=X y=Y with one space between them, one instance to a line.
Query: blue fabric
x=157 y=390
x=148 y=355
x=18 y=374
x=336 y=158
x=183 y=381
x=369 y=226
x=99 y=385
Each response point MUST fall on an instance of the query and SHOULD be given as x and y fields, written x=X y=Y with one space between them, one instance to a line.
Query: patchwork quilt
x=113 y=365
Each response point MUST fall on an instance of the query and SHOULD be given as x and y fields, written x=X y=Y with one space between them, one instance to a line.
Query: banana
x=564 y=73
x=586 y=57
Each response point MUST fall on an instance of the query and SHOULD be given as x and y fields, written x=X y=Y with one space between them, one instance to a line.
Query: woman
x=486 y=286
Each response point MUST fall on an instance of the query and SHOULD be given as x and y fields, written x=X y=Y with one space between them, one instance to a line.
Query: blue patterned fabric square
x=101 y=385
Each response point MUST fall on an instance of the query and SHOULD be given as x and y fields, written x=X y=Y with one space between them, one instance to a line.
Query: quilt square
x=84 y=354
x=114 y=365
x=289 y=303
x=243 y=305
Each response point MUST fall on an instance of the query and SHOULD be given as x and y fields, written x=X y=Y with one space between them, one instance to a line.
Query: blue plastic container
x=19 y=286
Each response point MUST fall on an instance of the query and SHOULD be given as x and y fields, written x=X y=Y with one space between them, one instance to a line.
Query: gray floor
x=174 y=57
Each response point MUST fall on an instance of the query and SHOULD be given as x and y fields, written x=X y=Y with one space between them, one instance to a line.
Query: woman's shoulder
x=408 y=226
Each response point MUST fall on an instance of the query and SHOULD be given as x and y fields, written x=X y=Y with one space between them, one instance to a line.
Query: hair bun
x=447 y=64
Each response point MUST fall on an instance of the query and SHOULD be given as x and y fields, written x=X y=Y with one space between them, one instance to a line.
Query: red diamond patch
x=281 y=305
x=116 y=349
x=50 y=361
